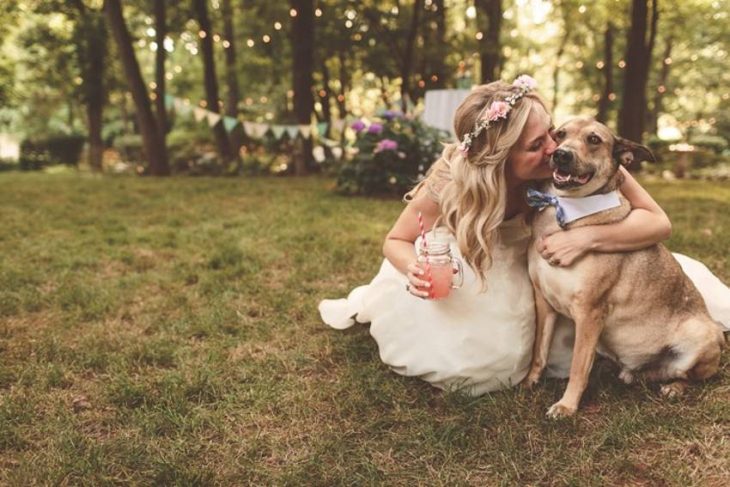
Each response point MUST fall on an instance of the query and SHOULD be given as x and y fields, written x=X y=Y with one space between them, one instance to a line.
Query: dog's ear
x=625 y=152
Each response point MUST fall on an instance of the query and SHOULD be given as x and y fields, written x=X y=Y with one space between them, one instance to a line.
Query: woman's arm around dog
x=646 y=225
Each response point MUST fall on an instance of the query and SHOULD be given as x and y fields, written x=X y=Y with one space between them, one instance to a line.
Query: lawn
x=165 y=332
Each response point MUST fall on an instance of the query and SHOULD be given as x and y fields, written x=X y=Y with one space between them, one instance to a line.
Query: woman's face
x=530 y=157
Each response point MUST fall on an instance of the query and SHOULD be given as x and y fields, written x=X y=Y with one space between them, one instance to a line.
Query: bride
x=480 y=337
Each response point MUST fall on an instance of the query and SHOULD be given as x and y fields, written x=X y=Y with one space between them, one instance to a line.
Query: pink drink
x=442 y=276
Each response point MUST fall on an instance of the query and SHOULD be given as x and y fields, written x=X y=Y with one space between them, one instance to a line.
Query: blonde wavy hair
x=474 y=198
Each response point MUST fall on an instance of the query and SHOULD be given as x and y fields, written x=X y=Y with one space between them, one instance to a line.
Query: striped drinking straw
x=424 y=245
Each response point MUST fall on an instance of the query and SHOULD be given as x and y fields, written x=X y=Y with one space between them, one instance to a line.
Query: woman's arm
x=399 y=246
x=646 y=225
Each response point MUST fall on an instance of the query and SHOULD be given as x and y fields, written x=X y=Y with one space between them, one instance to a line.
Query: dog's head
x=588 y=156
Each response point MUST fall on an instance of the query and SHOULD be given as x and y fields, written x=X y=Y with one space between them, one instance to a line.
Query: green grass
x=165 y=332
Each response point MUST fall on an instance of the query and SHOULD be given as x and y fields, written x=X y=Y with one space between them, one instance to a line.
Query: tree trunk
x=440 y=68
x=407 y=66
x=233 y=93
x=93 y=53
x=344 y=84
x=302 y=40
x=490 y=50
x=211 y=79
x=326 y=112
x=605 y=102
x=638 y=53
x=160 y=54
x=154 y=145
x=661 y=88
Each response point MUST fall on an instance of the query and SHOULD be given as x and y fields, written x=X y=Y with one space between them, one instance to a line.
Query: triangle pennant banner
x=278 y=131
x=322 y=128
x=213 y=119
x=199 y=113
x=305 y=130
x=255 y=130
x=229 y=123
x=292 y=131
x=169 y=102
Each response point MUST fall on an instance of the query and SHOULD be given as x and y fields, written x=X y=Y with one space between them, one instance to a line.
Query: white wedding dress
x=476 y=341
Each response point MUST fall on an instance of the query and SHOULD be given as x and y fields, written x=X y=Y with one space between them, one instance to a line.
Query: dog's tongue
x=564 y=177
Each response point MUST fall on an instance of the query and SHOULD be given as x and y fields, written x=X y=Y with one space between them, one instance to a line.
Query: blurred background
x=238 y=87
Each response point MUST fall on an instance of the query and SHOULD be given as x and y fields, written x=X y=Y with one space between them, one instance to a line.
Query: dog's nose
x=562 y=157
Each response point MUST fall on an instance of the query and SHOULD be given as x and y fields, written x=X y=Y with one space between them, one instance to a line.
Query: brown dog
x=638 y=308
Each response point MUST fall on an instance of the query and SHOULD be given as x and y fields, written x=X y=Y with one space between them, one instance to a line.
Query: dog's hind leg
x=544 y=328
x=588 y=328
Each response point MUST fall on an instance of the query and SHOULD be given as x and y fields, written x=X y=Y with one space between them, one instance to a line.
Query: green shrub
x=391 y=156
x=714 y=143
x=39 y=152
x=8 y=165
x=129 y=147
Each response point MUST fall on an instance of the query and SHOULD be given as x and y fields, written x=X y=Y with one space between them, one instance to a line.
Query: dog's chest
x=559 y=285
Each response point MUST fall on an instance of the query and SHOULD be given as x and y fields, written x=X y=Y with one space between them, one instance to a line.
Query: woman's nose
x=550 y=146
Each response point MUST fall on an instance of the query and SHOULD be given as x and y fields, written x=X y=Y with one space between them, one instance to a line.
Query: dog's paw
x=560 y=410
x=626 y=376
x=531 y=380
x=673 y=390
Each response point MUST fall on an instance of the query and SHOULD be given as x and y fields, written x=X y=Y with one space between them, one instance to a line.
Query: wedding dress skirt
x=476 y=340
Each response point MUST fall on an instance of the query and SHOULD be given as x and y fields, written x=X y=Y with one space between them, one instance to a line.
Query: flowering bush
x=391 y=155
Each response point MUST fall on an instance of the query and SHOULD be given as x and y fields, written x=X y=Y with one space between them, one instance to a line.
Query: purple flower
x=357 y=125
x=390 y=115
x=375 y=128
x=385 y=144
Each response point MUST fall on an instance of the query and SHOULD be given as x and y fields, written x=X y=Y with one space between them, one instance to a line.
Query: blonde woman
x=479 y=338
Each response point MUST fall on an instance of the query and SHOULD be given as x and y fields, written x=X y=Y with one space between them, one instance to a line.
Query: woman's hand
x=416 y=285
x=563 y=248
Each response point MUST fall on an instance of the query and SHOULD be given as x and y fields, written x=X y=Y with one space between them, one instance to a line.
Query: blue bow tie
x=539 y=200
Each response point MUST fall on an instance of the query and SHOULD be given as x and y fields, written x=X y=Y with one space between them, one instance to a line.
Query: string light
x=348 y=23
x=322 y=93
x=600 y=64
x=622 y=64
x=168 y=76
x=579 y=64
x=249 y=101
x=668 y=61
x=661 y=89
x=202 y=34
x=582 y=9
x=421 y=83
x=226 y=44
x=595 y=97
x=152 y=85
x=216 y=38
x=434 y=78
x=250 y=43
x=612 y=96
x=293 y=12
x=266 y=39
x=263 y=99
x=277 y=25
x=318 y=12
x=479 y=36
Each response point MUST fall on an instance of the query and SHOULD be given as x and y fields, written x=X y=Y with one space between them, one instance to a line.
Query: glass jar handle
x=459 y=274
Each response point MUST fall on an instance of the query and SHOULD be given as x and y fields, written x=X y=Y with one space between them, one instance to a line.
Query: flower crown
x=498 y=110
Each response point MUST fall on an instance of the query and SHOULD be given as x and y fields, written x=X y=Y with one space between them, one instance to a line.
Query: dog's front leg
x=544 y=328
x=588 y=327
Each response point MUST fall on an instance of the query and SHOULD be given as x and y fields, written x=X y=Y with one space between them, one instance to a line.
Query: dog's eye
x=594 y=139
x=559 y=134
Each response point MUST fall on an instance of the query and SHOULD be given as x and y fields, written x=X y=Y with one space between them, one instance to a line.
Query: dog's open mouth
x=562 y=179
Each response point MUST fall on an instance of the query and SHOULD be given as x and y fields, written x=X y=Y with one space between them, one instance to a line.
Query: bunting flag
x=213 y=119
x=292 y=131
x=318 y=154
x=278 y=131
x=181 y=107
x=322 y=128
x=200 y=114
x=229 y=123
x=255 y=130
x=169 y=102
x=305 y=130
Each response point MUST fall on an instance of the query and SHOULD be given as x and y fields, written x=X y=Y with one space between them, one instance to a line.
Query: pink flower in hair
x=497 y=110
x=525 y=82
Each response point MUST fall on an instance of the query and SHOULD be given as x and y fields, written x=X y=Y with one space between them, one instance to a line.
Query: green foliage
x=391 y=156
x=715 y=143
x=129 y=147
x=39 y=152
